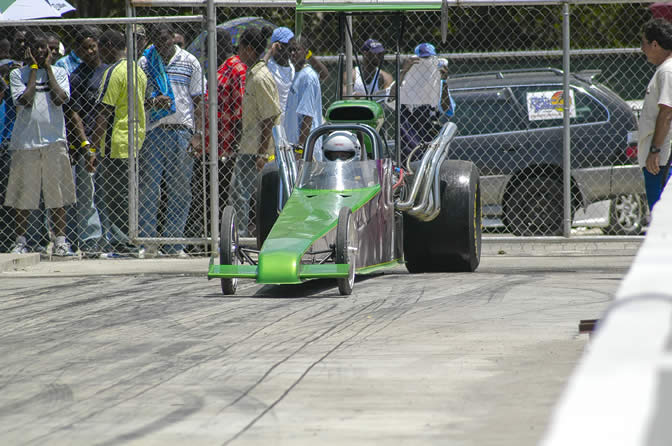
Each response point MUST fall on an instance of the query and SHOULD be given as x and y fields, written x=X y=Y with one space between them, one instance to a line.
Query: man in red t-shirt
x=230 y=89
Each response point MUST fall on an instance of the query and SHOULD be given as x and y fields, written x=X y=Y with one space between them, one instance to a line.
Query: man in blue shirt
x=85 y=81
x=304 y=102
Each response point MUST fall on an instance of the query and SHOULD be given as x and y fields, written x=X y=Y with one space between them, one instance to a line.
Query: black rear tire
x=535 y=207
x=452 y=241
x=228 y=247
x=346 y=249
x=267 y=202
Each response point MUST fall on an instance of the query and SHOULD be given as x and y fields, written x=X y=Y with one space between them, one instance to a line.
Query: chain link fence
x=86 y=158
x=497 y=76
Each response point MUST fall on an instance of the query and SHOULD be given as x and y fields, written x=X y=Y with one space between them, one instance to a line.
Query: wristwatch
x=654 y=149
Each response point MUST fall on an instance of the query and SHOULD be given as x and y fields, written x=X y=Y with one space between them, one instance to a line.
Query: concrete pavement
x=147 y=358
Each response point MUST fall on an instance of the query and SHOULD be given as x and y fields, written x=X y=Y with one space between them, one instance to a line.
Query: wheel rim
x=627 y=212
x=234 y=250
x=352 y=251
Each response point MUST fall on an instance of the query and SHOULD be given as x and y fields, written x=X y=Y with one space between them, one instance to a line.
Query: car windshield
x=338 y=175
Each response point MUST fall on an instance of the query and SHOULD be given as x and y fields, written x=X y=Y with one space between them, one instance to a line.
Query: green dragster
x=335 y=219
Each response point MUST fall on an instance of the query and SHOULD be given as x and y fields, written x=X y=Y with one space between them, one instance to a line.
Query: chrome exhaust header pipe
x=427 y=178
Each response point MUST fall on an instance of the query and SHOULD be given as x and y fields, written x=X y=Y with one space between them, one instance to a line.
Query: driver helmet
x=341 y=145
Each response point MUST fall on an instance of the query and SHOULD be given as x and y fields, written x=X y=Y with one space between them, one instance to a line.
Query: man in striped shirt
x=175 y=87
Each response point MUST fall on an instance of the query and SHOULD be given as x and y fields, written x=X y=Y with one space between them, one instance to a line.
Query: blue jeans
x=112 y=194
x=243 y=186
x=83 y=220
x=654 y=185
x=164 y=157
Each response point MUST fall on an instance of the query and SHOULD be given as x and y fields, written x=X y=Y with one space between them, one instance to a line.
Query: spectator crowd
x=64 y=128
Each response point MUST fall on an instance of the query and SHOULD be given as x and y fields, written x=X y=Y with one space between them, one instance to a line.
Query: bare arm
x=660 y=132
x=26 y=99
x=321 y=69
x=304 y=129
x=102 y=121
x=266 y=139
x=76 y=127
x=198 y=125
x=386 y=78
x=58 y=95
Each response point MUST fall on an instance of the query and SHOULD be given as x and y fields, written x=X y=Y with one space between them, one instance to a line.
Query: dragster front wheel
x=346 y=249
x=228 y=247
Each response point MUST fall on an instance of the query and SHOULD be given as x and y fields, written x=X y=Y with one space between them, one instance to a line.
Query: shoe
x=20 y=248
x=109 y=255
x=63 y=250
x=139 y=253
x=151 y=251
x=182 y=255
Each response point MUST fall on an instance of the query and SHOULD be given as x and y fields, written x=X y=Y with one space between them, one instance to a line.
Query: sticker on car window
x=548 y=105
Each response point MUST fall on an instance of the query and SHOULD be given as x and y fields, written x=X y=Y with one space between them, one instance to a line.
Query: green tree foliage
x=97 y=8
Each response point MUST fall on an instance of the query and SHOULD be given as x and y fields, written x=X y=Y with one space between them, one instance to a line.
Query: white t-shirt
x=42 y=123
x=658 y=92
x=422 y=83
x=284 y=76
x=186 y=78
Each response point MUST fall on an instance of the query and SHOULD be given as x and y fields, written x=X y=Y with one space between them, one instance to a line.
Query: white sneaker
x=20 y=248
x=63 y=250
x=151 y=251
x=182 y=255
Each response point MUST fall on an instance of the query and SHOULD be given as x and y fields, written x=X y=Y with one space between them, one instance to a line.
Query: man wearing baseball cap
x=370 y=78
x=420 y=96
x=278 y=63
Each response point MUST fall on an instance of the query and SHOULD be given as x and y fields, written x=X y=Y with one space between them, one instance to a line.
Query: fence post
x=566 y=143
x=211 y=16
x=132 y=122
x=348 y=59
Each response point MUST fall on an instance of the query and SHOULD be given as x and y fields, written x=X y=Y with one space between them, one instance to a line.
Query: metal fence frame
x=307 y=6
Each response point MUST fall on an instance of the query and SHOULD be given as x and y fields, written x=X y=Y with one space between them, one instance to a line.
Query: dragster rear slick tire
x=267 y=202
x=228 y=247
x=452 y=241
x=346 y=249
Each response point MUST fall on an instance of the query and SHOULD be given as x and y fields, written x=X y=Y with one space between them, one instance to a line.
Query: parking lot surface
x=150 y=352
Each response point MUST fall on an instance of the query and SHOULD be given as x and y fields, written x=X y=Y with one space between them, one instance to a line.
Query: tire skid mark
x=295 y=383
x=107 y=297
x=401 y=313
x=191 y=405
x=130 y=294
x=293 y=353
x=220 y=350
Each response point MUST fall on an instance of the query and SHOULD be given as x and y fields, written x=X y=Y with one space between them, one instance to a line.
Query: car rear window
x=485 y=111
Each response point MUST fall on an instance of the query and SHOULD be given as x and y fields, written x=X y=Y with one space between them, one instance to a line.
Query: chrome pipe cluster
x=287 y=169
x=424 y=200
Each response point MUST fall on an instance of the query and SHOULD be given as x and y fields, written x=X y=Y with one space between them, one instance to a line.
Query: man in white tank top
x=278 y=62
x=369 y=79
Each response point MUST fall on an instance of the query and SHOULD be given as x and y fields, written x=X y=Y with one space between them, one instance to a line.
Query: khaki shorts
x=45 y=170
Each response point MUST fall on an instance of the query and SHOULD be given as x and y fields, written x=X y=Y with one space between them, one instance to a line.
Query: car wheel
x=535 y=207
x=626 y=215
x=228 y=247
x=346 y=249
x=452 y=241
x=267 y=202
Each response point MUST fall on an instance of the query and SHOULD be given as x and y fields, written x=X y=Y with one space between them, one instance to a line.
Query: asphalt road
x=165 y=359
